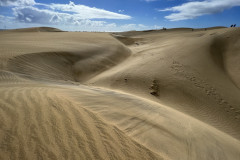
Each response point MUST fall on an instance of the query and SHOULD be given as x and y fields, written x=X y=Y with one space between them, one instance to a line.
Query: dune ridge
x=66 y=66
x=170 y=94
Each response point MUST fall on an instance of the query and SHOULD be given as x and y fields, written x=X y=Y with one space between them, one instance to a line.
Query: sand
x=155 y=94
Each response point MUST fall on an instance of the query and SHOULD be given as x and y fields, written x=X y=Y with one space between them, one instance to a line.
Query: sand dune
x=190 y=74
x=156 y=94
x=35 y=29
x=37 y=123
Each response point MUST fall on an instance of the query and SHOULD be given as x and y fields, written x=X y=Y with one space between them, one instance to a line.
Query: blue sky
x=118 y=15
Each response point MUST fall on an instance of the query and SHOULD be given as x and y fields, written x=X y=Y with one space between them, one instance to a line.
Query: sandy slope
x=38 y=123
x=171 y=94
x=191 y=71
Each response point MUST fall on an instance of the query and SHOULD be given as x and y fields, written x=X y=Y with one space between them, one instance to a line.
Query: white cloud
x=79 y=25
x=17 y=2
x=157 y=27
x=191 y=10
x=111 y=25
x=85 y=12
x=80 y=11
x=5 y=19
x=127 y=27
x=31 y=14
x=69 y=16
x=1 y=17
x=142 y=26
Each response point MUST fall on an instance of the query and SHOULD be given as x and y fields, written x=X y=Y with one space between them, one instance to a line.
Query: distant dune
x=158 y=94
x=36 y=29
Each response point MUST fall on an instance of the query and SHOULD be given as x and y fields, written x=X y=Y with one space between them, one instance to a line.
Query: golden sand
x=156 y=94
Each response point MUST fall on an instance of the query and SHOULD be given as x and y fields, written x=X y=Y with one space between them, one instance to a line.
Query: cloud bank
x=29 y=13
x=85 y=12
x=191 y=10
x=71 y=17
x=63 y=14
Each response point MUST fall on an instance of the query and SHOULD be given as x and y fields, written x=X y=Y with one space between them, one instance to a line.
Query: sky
x=118 y=15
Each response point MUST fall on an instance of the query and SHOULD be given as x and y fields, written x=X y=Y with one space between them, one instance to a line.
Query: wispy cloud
x=16 y=2
x=191 y=10
x=85 y=12
x=31 y=14
x=120 y=10
x=128 y=27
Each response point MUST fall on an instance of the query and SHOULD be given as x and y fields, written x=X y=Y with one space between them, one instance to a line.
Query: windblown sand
x=158 y=94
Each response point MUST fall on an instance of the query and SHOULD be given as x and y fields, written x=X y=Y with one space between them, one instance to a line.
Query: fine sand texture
x=158 y=94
